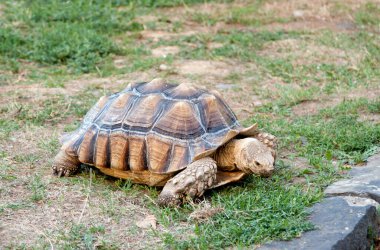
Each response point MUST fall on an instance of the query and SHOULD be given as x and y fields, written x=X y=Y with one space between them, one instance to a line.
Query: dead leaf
x=202 y=214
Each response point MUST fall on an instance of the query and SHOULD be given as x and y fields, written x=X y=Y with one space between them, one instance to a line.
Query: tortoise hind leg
x=65 y=164
x=193 y=181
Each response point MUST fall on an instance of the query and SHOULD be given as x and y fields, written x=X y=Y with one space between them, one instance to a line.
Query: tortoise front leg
x=65 y=163
x=191 y=182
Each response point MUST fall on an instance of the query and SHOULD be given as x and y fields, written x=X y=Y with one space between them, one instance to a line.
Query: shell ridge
x=123 y=122
x=108 y=149
x=168 y=160
x=145 y=152
x=129 y=110
x=94 y=146
x=129 y=150
x=159 y=116
x=146 y=155
x=191 y=152
x=221 y=102
x=199 y=118
x=77 y=143
x=105 y=108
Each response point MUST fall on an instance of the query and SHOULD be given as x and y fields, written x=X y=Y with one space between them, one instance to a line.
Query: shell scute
x=137 y=153
x=215 y=115
x=143 y=113
x=102 y=151
x=158 y=153
x=87 y=147
x=180 y=156
x=119 y=150
x=179 y=121
x=117 y=110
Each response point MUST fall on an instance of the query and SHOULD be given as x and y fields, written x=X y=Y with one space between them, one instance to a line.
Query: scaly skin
x=191 y=182
x=65 y=164
x=248 y=155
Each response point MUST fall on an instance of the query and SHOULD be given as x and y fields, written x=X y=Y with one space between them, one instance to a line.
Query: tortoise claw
x=60 y=172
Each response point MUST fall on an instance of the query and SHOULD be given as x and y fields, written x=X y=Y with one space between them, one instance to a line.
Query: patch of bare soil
x=164 y=51
x=199 y=67
x=314 y=106
x=242 y=101
x=313 y=15
x=166 y=19
x=375 y=118
x=311 y=26
x=318 y=10
x=306 y=52
x=157 y=35
x=108 y=84
x=26 y=93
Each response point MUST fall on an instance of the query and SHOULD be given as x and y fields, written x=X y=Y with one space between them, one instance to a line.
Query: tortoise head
x=253 y=156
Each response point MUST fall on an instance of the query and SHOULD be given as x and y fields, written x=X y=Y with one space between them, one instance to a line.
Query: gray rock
x=341 y=223
x=362 y=182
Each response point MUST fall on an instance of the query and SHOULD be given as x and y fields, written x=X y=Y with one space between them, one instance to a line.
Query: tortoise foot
x=169 y=199
x=61 y=171
x=65 y=164
x=190 y=183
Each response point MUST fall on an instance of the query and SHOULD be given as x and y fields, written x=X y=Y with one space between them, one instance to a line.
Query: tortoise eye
x=257 y=163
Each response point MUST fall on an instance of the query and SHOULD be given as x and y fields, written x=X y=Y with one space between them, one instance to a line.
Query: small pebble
x=298 y=13
x=163 y=67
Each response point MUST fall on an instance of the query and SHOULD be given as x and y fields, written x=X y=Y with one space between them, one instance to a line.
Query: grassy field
x=305 y=71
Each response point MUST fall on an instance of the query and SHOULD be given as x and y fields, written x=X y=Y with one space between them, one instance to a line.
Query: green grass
x=47 y=112
x=73 y=33
x=76 y=46
x=257 y=210
x=38 y=188
x=238 y=45
x=6 y=127
x=95 y=15
x=368 y=14
x=14 y=206
x=332 y=133
x=84 y=237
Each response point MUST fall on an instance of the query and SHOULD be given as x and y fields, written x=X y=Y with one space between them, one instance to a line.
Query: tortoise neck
x=225 y=156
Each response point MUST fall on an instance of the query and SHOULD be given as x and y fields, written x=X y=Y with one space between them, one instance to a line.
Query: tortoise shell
x=154 y=126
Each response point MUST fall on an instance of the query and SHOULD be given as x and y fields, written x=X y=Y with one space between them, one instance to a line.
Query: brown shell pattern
x=153 y=126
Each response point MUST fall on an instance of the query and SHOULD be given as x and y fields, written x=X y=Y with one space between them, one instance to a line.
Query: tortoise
x=184 y=138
